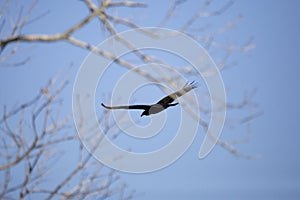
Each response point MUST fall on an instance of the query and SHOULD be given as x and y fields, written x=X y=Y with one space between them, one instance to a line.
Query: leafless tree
x=33 y=134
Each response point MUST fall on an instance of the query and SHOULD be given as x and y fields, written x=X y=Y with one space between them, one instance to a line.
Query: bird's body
x=160 y=105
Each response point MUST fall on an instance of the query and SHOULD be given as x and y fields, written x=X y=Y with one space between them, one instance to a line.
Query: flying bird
x=161 y=104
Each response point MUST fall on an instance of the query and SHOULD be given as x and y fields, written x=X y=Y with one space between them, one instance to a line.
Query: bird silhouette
x=161 y=104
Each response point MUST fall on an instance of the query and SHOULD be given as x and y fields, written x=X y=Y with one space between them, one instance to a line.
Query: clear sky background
x=272 y=68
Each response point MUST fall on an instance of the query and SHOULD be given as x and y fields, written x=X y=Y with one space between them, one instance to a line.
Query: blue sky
x=271 y=68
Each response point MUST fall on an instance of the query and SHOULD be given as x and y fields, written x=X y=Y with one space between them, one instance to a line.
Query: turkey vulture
x=160 y=105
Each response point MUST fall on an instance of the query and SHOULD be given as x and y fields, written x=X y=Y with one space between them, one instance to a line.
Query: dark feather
x=140 y=107
x=170 y=98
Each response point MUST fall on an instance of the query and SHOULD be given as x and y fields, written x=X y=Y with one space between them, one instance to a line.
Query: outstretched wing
x=140 y=107
x=169 y=99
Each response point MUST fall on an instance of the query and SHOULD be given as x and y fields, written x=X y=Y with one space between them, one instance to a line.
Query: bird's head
x=145 y=113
